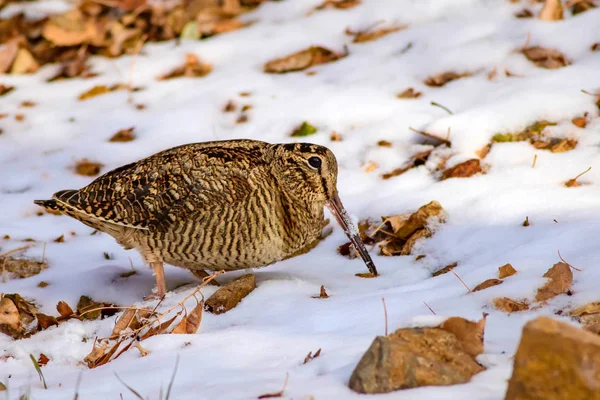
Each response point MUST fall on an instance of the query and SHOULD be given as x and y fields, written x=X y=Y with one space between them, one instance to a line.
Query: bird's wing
x=162 y=189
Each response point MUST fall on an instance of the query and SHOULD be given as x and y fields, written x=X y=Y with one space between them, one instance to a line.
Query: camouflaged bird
x=223 y=205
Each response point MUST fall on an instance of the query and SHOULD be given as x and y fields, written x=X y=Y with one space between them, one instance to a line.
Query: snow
x=248 y=351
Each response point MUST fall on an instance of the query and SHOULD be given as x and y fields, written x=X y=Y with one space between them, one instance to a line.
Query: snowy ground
x=248 y=351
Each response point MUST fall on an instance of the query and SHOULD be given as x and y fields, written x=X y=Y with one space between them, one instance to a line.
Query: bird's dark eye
x=314 y=162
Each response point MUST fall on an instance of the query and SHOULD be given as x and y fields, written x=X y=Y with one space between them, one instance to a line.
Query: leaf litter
x=301 y=60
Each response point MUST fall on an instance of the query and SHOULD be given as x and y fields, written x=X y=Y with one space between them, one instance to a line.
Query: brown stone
x=555 y=361
x=413 y=357
x=560 y=280
x=505 y=271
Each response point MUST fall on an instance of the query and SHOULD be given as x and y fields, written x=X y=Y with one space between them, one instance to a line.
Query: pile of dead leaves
x=20 y=318
x=110 y=29
x=396 y=235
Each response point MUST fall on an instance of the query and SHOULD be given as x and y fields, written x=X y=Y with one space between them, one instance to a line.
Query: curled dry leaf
x=338 y=4
x=560 y=279
x=487 y=284
x=90 y=309
x=228 y=296
x=64 y=309
x=45 y=321
x=128 y=320
x=24 y=63
x=582 y=6
x=42 y=359
x=310 y=356
x=190 y=323
x=545 y=58
x=552 y=10
x=103 y=89
x=322 y=294
x=445 y=270
x=505 y=271
x=86 y=167
x=302 y=60
x=469 y=334
x=372 y=34
x=5 y=89
x=409 y=93
x=123 y=135
x=555 y=145
x=442 y=79
x=27 y=310
x=463 y=170
x=508 y=305
x=192 y=68
x=415 y=161
x=524 y=13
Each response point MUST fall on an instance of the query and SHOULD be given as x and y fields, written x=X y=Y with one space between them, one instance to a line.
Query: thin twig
x=385 y=315
x=276 y=394
x=77 y=384
x=132 y=390
x=563 y=260
x=172 y=378
x=433 y=103
x=430 y=309
x=534 y=160
x=463 y=282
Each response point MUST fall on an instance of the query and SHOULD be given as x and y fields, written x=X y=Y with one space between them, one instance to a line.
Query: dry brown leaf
x=551 y=11
x=20 y=268
x=463 y=170
x=10 y=321
x=590 y=308
x=86 y=167
x=370 y=166
x=469 y=334
x=555 y=145
x=505 y=271
x=336 y=137
x=192 y=67
x=595 y=46
x=93 y=92
x=228 y=296
x=45 y=321
x=487 y=284
x=64 y=309
x=580 y=122
x=8 y=53
x=69 y=29
x=445 y=270
x=322 y=294
x=545 y=58
x=24 y=63
x=127 y=320
x=415 y=161
x=5 y=89
x=27 y=310
x=230 y=106
x=190 y=323
x=560 y=280
x=384 y=143
x=310 y=356
x=123 y=135
x=582 y=6
x=369 y=35
x=42 y=359
x=338 y=4
x=409 y=93
x=524 y=13
x=366 y=275
x=96 y=354
x=442 y=79
x=302 y=60
x=159 y=329
x=90 y=309
x=508 y=305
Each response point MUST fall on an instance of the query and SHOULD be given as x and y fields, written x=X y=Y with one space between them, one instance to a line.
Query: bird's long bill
x=338 y=211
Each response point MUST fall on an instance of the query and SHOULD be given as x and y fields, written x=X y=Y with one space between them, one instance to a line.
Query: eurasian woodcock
x=223 y=205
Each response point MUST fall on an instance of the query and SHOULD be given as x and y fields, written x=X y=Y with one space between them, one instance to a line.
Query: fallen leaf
x=370 y=166
x=9 y=316
x=529 y=132
x=508 y=305
x=5 y=89
x=384 y=143
x=469 y=334
x=369 y=35
x=190 y=323
x=322 y=295
x=302 y=60
x=415 y=161
x=552 y=10
x=24 y=63
x=127 y=320
x=228 y=296
x=42 y=359
x=560 y=279
x=45 y=321
x=20 y=268
x=93 y=92
x=526 y=222
x=27 y=104
x=590 y=308
x=192 y=68
x=86 y=167
x=336 y=137
x=8 y=53
x=465 y=169
x=42 y=284
x=64 y=309
x=444 y=78
x=60 y=239
x=545 y=58
x=305 y=129
x=96 y=354
x=409 y=93
x=579 y=122
x=338 y=4
x=582 y=6
x=505 y=271
x=90 y=309
x=484 y=151
x=524 y=13
x=487 y=283
x=27 y=310
x=19 y=117
x=310 y=356
x=445 y=270
x=366 y=275
x=123 y=135
x=230 y=106
x=555 y=145
x=242 y=119
x=595 y=46
x=69 y=29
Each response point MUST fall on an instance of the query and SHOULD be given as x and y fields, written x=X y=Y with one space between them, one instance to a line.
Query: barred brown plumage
x=227 y=205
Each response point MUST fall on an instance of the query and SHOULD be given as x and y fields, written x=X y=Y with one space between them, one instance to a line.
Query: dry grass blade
x=276 y=394
x=38 y=370
x=385 y=315
x=461 y=281
x=77 y=384
x=14 y=251
x=430 y=309
x=563 y=260
x=172 y=378
x=573 y=182
x=132 y=390
x=438 y=139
